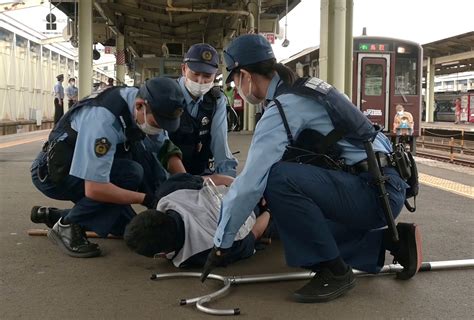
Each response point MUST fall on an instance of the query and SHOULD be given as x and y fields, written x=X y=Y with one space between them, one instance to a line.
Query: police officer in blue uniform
x=327 y=212
x=89 y=159
x=202 y=134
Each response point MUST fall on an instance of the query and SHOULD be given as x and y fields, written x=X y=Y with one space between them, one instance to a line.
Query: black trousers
x=58 y=109
x=70 y=103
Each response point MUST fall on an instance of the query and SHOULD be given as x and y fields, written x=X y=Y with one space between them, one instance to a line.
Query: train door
x=373 y=87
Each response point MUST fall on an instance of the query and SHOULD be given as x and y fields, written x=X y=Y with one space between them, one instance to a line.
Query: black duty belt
x=363 y=165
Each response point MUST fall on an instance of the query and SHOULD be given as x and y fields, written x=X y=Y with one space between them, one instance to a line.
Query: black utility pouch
x=60 y=155
x=405 y=164
x=402 y=162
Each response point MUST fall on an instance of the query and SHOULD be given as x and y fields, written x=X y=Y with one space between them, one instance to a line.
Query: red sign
x=270 y=37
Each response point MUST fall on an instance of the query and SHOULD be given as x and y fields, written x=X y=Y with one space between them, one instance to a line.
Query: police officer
x=88 y=159
x=58 y=98
x=328 y=220
x=203 y=130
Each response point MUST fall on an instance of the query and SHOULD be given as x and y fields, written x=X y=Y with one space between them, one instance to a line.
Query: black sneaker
x=325 y=286
x=47 y=215
x=409 y=254
x=72 y=240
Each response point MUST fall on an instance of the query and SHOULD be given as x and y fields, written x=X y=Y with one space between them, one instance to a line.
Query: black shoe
x=46 y=215
x=72 y=240
x=325 y=286
x=409 y=254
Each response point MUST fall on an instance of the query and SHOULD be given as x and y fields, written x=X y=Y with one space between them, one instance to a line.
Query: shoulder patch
x=318 y=85
x=101 y=146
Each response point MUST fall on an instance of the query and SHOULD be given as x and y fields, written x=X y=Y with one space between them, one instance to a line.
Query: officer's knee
x=127 y=174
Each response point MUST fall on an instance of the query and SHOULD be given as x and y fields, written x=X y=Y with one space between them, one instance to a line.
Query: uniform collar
x=129 y=94
x=187 y=96
x=276 y=81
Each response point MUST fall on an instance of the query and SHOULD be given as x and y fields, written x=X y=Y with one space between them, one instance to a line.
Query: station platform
x=450 y=126
x=37 y=281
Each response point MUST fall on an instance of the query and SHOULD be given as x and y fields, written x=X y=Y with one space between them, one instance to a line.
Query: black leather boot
x=72 y=240
x=47 y=215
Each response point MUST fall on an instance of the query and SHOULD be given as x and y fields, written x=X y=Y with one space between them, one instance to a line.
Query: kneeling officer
x=88 y=160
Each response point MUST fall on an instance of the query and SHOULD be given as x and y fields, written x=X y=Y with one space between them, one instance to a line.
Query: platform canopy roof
x=168 y=27
x=453 y=54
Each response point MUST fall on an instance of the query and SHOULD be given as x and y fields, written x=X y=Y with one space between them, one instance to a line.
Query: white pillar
x=429 y=94
x=85 y=48
x=324 y=40
x=349 y=48
x=120 y=59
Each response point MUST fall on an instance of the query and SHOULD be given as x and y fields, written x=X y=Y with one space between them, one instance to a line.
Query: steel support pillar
x=429 y=93
x=85 y=48
x=120 y=59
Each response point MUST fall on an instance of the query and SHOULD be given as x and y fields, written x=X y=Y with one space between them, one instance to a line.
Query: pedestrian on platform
x=58 y=98
x=323 y=201
x=88 y=160
x=202 y=134
x=72 y=92
x=457 y=111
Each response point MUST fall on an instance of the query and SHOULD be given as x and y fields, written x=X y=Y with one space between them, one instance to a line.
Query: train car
x=388 y=72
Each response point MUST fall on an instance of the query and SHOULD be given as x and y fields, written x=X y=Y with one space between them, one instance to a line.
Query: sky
x=422 y=21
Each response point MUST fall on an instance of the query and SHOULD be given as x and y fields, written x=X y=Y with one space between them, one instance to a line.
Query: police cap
x=202 y=57
x=166 y=100
x=244 y=50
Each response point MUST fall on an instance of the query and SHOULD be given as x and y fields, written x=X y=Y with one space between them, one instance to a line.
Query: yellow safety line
x=447 y=185
x=22 y=141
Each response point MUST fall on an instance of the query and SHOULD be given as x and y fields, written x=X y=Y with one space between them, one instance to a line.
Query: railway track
x=447 y=157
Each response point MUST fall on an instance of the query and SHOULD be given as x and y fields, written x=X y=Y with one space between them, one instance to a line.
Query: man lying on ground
x=183 y=225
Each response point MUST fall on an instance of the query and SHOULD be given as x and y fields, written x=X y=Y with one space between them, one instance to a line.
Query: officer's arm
x=175 y=165
x=224 y=160
x=171 y=157
x=110 y=193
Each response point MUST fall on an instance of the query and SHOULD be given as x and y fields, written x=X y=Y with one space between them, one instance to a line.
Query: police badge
x=101 y=147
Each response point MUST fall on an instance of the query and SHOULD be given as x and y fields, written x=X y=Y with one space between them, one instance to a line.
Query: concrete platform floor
x=38 y=282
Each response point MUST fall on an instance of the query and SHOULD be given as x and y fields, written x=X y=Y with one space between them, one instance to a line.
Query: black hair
x=151 y=232
x=72 y=79
x=268 y=67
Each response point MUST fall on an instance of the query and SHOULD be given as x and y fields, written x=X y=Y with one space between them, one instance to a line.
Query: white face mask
x=400 y=113
x=250 y=98
x=147 y=128
x=197 y=89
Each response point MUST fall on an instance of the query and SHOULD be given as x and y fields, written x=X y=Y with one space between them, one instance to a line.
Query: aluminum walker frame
x=235 y=280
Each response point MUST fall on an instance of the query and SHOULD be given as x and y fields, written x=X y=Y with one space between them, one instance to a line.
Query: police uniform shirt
x=58 y=90
x=71 y=92
x=98 y=133
x=224 y=161
x=267 y=147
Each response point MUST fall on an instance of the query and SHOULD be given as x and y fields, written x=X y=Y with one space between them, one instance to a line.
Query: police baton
x=379 y=180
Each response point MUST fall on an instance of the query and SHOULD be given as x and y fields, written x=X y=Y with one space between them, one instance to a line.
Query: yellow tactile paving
x=447 y=185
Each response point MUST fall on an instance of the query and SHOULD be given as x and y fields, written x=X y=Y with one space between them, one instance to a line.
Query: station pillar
x=429 y=93
x=85 y=48
x=120 y=59
x=335 y=51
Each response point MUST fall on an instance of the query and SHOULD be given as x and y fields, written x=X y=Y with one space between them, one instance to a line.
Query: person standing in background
x=72 y=92
x=457 y=110
x=58 y=98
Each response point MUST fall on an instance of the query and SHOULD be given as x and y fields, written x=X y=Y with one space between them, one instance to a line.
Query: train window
x=373 y=79
x=405 y=76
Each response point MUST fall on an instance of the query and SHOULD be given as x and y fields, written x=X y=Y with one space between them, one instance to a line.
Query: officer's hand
x=150 y=201
x=216 y=258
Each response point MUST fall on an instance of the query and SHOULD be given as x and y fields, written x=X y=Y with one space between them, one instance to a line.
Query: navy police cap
x=166 y=100
x=244 y=50
x=202 y=57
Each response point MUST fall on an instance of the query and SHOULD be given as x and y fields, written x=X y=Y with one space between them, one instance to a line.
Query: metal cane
x=235 y=280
